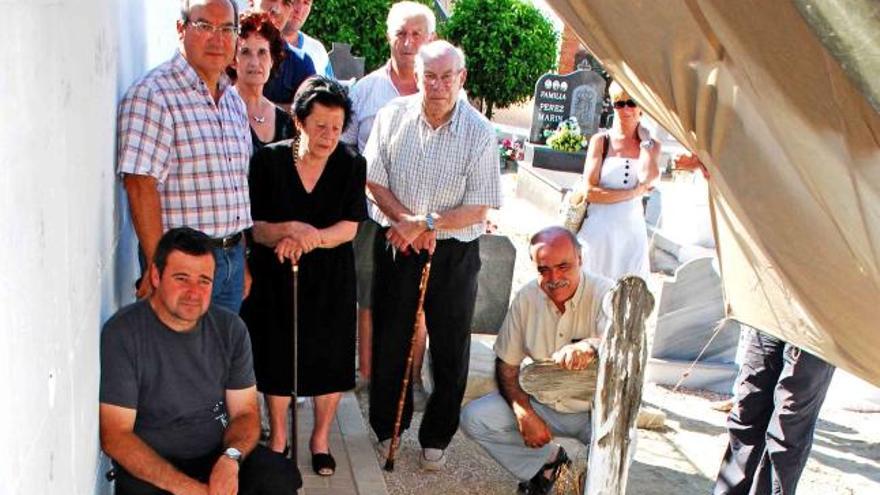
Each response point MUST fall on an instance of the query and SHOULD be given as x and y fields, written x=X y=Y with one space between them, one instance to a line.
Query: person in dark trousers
x=433 y=172
x=778 y=394
x=178 y=405
x=409 y=26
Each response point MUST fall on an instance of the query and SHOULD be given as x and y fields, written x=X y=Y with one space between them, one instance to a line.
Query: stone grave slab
x=481 y=370
x=544 y=188
x=345 y=65
x=691 y=306
x=497 y=255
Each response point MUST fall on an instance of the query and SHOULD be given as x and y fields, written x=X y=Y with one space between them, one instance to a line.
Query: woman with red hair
x=259 y=53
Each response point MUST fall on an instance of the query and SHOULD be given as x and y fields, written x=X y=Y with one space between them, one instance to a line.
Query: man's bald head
x=557 y=256
x=186 y=7
x=553 y=235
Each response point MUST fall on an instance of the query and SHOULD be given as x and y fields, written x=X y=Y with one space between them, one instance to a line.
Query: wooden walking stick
x=420 y=309
x=292 y=434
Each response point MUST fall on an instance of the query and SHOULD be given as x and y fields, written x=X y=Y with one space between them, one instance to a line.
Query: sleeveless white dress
x=614 y=236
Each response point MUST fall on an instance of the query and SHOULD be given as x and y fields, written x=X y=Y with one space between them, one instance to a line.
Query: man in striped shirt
x=184 y=147
x=433 y=172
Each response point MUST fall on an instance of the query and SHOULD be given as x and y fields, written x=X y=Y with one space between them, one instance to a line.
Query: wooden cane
x=292 y=434
x=420 y=309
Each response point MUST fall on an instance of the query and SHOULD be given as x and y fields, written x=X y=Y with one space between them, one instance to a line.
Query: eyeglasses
x=204 y=27
x=619 y=104
x=446 y=79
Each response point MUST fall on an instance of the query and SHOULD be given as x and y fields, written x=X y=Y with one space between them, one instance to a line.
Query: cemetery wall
x=68 y=259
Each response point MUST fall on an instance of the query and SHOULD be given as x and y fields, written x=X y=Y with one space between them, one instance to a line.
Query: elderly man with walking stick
x=433 y=173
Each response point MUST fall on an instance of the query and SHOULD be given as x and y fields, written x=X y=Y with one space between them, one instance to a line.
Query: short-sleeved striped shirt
x=170 y=128
x=434 y=170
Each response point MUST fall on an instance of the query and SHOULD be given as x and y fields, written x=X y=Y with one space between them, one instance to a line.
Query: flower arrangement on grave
x=567 y=137
x=510 y=149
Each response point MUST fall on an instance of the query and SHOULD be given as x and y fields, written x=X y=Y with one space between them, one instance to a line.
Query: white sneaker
x=420 y=397
x=433 y=459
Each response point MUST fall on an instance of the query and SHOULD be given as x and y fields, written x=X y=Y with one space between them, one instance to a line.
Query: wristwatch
x=234 y=454
x=429 y=222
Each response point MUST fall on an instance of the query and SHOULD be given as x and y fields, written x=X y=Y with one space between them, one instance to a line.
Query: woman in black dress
x=259 y=53
x=307 y=197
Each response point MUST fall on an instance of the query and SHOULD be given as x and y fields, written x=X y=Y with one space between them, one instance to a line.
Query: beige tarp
x=793 y=149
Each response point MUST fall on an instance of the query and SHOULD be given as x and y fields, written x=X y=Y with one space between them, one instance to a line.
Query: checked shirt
x=434 y=170
x=170 y=128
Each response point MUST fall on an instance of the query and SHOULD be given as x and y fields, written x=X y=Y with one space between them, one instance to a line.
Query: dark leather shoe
x=540 y=484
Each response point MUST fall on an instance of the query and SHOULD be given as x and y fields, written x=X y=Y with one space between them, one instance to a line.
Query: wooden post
x=622 y=359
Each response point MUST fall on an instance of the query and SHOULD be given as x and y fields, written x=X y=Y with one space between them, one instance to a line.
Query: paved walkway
x=357 y=466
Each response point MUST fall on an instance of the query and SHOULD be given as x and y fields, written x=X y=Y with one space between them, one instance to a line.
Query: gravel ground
x=682 y=459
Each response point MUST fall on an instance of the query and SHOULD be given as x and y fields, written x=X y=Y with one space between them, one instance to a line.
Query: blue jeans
x=228 y=277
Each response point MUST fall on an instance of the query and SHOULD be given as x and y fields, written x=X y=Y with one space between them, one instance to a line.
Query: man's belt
x=227 y=242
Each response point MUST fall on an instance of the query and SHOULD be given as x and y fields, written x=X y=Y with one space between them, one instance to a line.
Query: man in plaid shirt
x=433 y=171
x=184 y=147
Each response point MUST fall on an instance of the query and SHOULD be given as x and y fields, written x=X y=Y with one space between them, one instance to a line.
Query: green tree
x=508 y=44
x=360 y=23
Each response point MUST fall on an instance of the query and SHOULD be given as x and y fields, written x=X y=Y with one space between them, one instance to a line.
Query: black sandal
x=540 y=484
x=323 y=464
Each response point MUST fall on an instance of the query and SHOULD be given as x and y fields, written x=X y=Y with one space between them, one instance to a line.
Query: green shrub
x=360 y=23
x=508 y=45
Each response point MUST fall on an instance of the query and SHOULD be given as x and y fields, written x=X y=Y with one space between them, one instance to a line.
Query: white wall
x=66 y=255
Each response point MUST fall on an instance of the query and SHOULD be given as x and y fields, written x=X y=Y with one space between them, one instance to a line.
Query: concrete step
x=357 y=466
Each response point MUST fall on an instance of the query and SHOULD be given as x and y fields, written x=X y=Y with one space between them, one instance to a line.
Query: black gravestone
x=578 y=94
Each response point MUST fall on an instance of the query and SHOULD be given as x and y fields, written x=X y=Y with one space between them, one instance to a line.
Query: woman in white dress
x=619 y=170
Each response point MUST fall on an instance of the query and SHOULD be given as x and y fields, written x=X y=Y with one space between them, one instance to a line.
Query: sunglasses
x=619 y=104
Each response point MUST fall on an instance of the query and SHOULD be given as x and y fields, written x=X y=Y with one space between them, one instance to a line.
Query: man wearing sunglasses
x=184 y=147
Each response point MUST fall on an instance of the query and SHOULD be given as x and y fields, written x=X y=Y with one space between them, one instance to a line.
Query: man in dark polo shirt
x=178 y=408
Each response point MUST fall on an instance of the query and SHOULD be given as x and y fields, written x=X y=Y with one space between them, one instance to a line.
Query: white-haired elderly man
x=409 y=26
x=432 y=169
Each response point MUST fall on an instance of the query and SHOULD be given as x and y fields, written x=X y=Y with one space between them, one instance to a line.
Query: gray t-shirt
x=176 y=381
